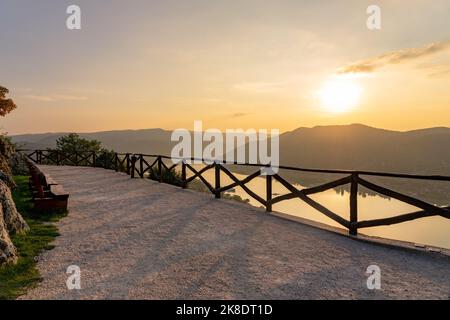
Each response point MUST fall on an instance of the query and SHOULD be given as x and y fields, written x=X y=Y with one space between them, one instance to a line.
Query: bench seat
x=47 y=194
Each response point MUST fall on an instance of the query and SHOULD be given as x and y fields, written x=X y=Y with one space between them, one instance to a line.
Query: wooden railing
x=138 y=165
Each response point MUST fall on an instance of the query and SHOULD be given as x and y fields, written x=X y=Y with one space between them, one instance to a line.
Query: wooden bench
x=55 y=200
x=47 y=194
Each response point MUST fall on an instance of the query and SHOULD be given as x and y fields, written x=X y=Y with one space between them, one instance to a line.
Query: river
x=432 y=231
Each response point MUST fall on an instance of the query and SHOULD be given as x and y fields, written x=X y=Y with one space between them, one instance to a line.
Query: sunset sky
x=233 y=64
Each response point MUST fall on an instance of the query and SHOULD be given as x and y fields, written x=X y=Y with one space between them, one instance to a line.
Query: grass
x=16 y=279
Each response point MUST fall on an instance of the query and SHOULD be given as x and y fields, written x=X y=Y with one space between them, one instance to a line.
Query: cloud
x=239 y=114
x=39 y=98
x=395 y=57
x=443 y=72
x=435 y=70
x=54 y=98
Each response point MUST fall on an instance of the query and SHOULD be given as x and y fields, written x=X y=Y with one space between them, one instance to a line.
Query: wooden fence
x=138 y=165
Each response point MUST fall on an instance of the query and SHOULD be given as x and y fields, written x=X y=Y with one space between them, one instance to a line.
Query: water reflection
x=432 y=231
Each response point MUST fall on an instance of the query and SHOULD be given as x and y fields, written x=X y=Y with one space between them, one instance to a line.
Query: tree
x=6 y=146
x=72 y=143
x=6 y=105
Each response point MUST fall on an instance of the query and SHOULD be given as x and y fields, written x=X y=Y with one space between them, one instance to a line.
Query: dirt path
x=137 y=239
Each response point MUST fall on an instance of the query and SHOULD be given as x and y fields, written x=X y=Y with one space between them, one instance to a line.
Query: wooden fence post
x=217 y=179
x=160 y=169
x=353 y=205
x=116 y=162
x=128 y=163
x=268 y=192
x=94 y=159
x=76 y=158
x=133 y=164
x=141 y=166
x=183 y=175
x=57 y=157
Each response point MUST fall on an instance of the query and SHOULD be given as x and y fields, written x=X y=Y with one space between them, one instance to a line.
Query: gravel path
x=137 y=239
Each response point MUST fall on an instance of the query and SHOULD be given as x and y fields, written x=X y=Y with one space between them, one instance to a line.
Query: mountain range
x=354 y=146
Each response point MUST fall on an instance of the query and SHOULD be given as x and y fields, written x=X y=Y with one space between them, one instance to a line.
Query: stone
x=8 y=180
x=12 y=219
x=8 y=253
x=11 y=222
x=19 y=164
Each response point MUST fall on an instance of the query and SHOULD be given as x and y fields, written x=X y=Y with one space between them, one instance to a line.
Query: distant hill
x=353 y=146
x=134 y=141
x=361 y=147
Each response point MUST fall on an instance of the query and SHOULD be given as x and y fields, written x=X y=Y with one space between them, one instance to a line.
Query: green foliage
x=105 y=159
x=16 y=279
x=6 y=146
x=6 y=105
x=72 y=143
x=6 y=152
x=168 y=176
x=76 y=149
x=235 y=197
x=173 y=177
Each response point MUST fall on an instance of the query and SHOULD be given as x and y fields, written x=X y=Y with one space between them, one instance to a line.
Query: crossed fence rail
x=138 y=165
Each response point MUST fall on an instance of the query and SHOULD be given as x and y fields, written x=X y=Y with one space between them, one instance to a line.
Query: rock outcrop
x=12 y=219
x=11 y=222
x=8 y=253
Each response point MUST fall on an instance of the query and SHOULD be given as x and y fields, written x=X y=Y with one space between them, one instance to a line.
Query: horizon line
x=281 y=132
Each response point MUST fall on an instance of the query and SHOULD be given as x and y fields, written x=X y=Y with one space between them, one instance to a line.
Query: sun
x=340 y=95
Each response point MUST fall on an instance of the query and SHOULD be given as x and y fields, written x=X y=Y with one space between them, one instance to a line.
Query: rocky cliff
x=11 y=222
